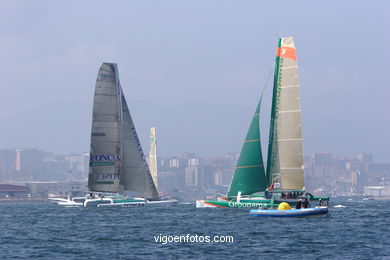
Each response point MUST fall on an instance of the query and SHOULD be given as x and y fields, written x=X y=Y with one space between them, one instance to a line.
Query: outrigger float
x=251 y=185
x=274 y=213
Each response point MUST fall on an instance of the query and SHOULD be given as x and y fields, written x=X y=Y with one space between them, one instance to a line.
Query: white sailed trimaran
x=117 y=162
x=153 y=170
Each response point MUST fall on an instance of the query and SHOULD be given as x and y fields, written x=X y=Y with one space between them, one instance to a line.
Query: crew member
x=306 y=203
x=299 y=204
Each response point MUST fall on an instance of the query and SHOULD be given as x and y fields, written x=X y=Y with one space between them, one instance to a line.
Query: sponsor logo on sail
x=234 y=204
x=103 y=159
x=138 y=144
x=106 y=77
x=107 y=176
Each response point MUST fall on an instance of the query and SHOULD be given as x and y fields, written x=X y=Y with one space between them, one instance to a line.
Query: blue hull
x=288 y=213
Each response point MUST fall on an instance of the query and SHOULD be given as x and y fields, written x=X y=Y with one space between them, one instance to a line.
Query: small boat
x=289 y=213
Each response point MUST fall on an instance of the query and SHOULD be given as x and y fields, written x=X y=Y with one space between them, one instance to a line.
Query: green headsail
x=249 y=175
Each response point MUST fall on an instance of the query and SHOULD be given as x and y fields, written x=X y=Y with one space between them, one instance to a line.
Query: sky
x=180 y=56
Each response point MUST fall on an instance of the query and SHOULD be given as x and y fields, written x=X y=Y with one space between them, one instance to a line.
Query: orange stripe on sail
x=286 y=52
x=255 y=140
x=249 y=166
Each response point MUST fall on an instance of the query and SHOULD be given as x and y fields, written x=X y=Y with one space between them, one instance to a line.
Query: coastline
x=24 y=200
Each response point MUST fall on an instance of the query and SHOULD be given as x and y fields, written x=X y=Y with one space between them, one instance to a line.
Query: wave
x=340 y=206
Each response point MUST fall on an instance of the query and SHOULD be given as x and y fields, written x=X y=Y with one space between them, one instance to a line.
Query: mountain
x=204 y=128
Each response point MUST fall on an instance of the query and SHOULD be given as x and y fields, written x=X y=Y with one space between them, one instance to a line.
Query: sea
x=355 y=229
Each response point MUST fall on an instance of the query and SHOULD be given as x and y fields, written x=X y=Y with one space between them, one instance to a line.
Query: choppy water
x=360 y=230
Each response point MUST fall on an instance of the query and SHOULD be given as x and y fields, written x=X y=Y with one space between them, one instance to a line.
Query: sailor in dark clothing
x=299 y=204
x=306 y=203
x=320 y=202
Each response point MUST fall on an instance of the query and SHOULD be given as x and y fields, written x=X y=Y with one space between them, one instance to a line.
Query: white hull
x=58 y=200
x=67 y=202
x=113 y=202
x=70 y=204
x=163 y=202
x=123 y=205
x=109 y=202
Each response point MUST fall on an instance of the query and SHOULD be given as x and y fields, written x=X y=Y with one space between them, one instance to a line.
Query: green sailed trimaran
x=285 y=157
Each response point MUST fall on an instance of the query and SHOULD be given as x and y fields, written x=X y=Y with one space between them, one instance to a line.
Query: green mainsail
x=249 y=175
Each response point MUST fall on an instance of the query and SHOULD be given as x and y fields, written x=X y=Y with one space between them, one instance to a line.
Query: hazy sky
x=217 y=52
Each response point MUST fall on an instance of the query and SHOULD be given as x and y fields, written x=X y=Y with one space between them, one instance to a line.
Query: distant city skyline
x=193 y=154
x=189 y=175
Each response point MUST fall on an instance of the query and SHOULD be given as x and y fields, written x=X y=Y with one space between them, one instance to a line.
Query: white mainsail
x=117 y=161
x=105 y=152
x=286 y=156
x=153 y=156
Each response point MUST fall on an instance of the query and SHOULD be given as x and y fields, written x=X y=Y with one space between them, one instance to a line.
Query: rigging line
x=268 y=78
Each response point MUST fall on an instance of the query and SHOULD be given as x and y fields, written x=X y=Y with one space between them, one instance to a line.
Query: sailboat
x=252 y=186
x=153 y=170
x=153 y=156
x=117 y=162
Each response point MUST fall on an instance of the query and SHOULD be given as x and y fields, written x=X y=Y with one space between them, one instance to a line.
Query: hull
x=66 y=202
x=113 y=202
x=122 y=205
x=289 y=213
x=234 y=204
x=70 y=204
x=162 y=202
x=255 y=201
x=59 y=200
